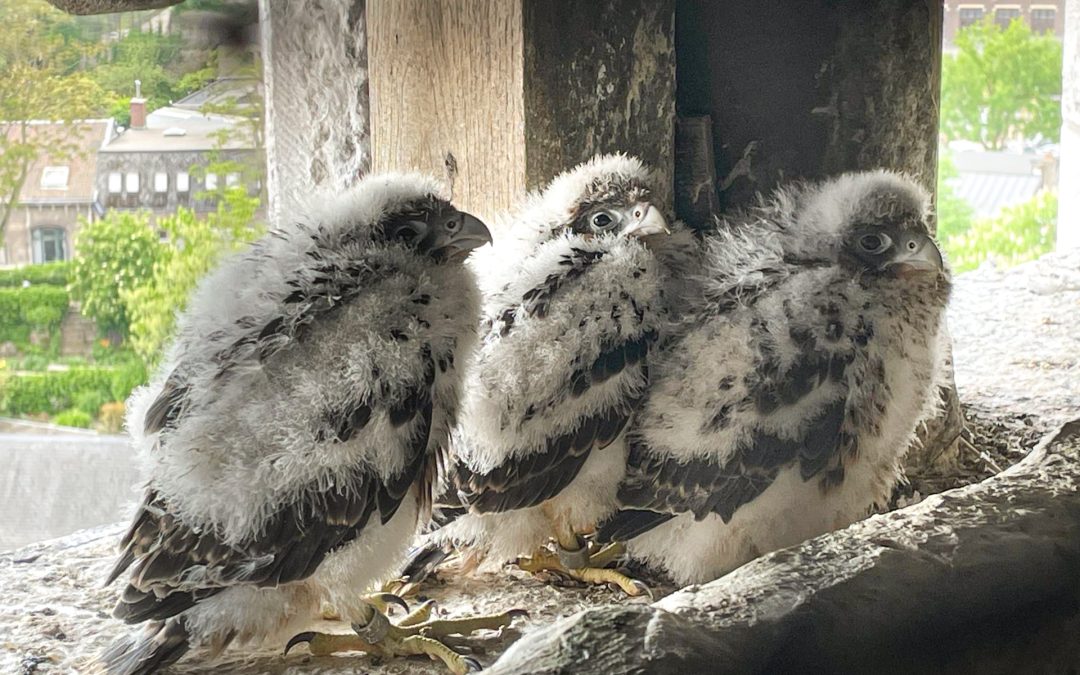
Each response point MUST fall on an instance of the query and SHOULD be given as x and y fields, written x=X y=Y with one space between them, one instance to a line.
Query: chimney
x=138 y=108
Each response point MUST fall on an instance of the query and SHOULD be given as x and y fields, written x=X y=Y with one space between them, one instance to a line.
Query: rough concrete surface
x=981 y=579
x=1016 y=342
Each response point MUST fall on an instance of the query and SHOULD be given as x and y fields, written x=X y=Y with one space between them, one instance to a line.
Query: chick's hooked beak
x=916 y=253
x=646 y=221
x=456 y=233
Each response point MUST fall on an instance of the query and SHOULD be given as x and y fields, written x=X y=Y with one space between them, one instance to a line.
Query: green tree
x=244 y=105
x=954 y=215
x=144 y=57
x=1001 y=84
x=37 y=82
x=195 y=245
x=116 y=255
x=1017 y=234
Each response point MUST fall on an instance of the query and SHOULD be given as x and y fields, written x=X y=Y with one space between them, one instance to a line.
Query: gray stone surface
x=975 y=580
x=1015 y=339
x=54 y=613
x=315 y=72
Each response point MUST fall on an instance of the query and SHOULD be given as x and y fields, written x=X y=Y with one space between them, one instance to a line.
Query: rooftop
x=990 y=181
x=181 y=129
x=242 y=92
x=68 y=176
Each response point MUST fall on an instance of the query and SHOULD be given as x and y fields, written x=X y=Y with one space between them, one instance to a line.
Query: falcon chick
x=291 y=434
x=572 y=308
x=784 y=408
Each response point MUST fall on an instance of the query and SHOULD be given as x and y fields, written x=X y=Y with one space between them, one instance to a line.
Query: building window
x=970 y=15
x=1006 y=15
x=1043 y=19
x=182 y=181
x=232 y=179
x=131 y=183
x=211 y=181
x=161 y=182
x=115 y=181
x=49 y=244
x=54 y=178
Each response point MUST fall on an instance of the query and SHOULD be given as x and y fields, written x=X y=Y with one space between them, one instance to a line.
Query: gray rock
x=982 y=579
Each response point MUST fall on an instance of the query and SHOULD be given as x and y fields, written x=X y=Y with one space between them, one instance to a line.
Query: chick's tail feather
x=160 y=644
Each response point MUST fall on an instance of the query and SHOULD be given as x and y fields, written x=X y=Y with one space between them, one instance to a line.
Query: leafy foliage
x=37 y=82
x=1018 y=234
x=32 y=309
x=116 y=254
x=145 y=57
x=954 y=215
x=52 y=274
x=84 y=388
x=193 y=248
x=111 y=417
x=74 y=418
x=1001 y=84
x=51 y=391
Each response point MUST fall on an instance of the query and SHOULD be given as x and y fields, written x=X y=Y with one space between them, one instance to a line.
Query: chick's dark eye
x=874 y=243
x=601 y=220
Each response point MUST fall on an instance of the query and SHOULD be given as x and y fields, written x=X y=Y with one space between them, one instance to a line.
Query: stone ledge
x=108 y=6
x=981 y=579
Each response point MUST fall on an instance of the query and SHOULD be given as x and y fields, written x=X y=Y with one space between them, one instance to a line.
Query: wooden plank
x=696 y=200
x=599 y=78
x=446 y=78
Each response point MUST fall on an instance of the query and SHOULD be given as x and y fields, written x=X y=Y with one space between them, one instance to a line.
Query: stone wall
x=315 y=71
x=77 y=334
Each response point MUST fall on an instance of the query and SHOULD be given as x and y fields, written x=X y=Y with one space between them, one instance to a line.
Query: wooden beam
x=696 y=199
x=599 y=78
x=520 y=90
x=446 y=79
x=832 y=87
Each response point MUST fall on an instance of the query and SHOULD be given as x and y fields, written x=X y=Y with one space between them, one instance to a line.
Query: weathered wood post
x=519 y=90
x=812 y=90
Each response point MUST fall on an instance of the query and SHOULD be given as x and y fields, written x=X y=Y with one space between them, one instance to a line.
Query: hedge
x=54 y=391
x=74 y=418
x=52 y=274
x=35 y=308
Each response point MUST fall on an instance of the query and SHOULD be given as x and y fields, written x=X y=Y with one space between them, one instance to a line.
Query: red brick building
x=1044 y=16
x=59 y=193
